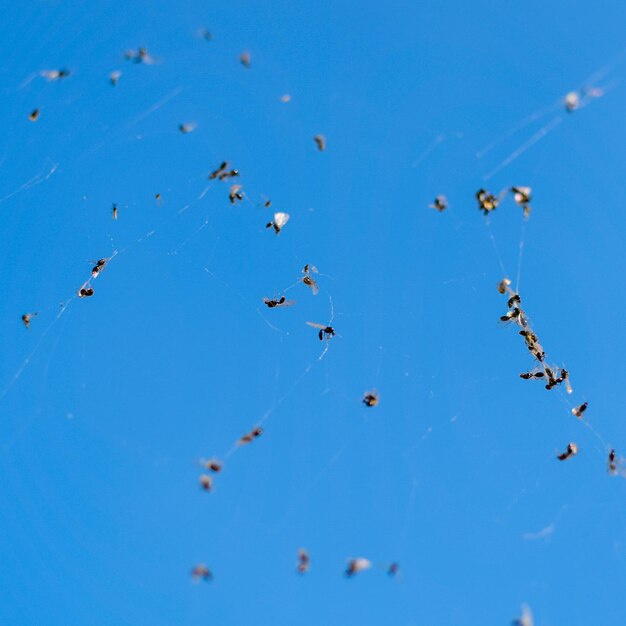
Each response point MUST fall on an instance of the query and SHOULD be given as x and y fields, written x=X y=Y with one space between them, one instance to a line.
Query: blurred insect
x=522 y=198
x=357 y=565
x=27 y=317
x=504 y=285
x=114 y=211
x=33 y=116
x=271 y=304
x=157 y=197
x=572 y=450
x=51 y=75
x=320 y=141
x=572 y=101
x=114 y=77
x=487 y=202
x=304 y=562
x=201 y=572
x=206 y=35
x=440 y=203
x=393 y=569
x=532 y=375
x=580 y=409
x=186 y=127
x=139 y=56
x=612 y=463
x=100 y=264
x=326 y=332
x=85 y=291
x=235 y=194
x=280 y=219
x=285 y=98
x=370 y=398
x=251 y=436
x=511 y=315
x=308 y=280
x=222 y=172
x=212 y=464
x=564 y=377
x=526 y=619
x=206 y=482
x=245 y=59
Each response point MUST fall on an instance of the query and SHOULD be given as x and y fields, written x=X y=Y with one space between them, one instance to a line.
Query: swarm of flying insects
x=304 y=562
x=280 y=219
x=440 y=203
x=572 y=450
x=320 y=142
x=201 y=572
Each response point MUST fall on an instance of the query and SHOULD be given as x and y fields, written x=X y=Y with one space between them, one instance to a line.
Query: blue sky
x=107 y=404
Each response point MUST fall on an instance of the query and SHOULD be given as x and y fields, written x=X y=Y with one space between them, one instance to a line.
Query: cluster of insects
x=488 y=202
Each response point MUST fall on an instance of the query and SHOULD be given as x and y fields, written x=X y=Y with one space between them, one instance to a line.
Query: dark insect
x=34 y=115
x=612 y=463
x=370 y=398
x=251 y=436
x=114 y=211
x=304 y=562
x=522 y=198
x=514 y=299
x=223 y=172
x=235 y=194
x=206 y=482
x=27 y=317
x=280 y=219
x=213 y=464
x=440 y=203
x=320 y=141
x=572 y=449
x=357 y=565
x=201 y=572
x=99 y=266
x=487 y=202
x=531 y=375
x=326 y=332
x=278 y=303
x=308 y=280
x=580 y=409
x=85 y=292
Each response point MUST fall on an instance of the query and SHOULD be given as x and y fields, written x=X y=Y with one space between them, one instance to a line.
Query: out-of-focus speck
x=320 y=142
x=186 y=127
x=285 y=98
x=114 y=77
x=245 y=59
x=69 y=416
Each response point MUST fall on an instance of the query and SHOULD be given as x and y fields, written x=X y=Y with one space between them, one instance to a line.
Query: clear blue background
x=175 y=357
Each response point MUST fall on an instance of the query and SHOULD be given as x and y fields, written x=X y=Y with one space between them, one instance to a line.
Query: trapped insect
x=371 y=398
x=320 y=141
x=26 y=319
x=100 y=264
x=521 y=196
x=85 y=292
x=280 y=219
x=487 y=202
x=251 y=436
x=235 y=194
x=440 y=203
x=201 y=572
x=304 y=562
x=114 y=212
x=357 y=565
x=326 y=332
x=308 y=280
x=271 y=304
x=580 y=409
x=572 y=450
x=222 y=172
